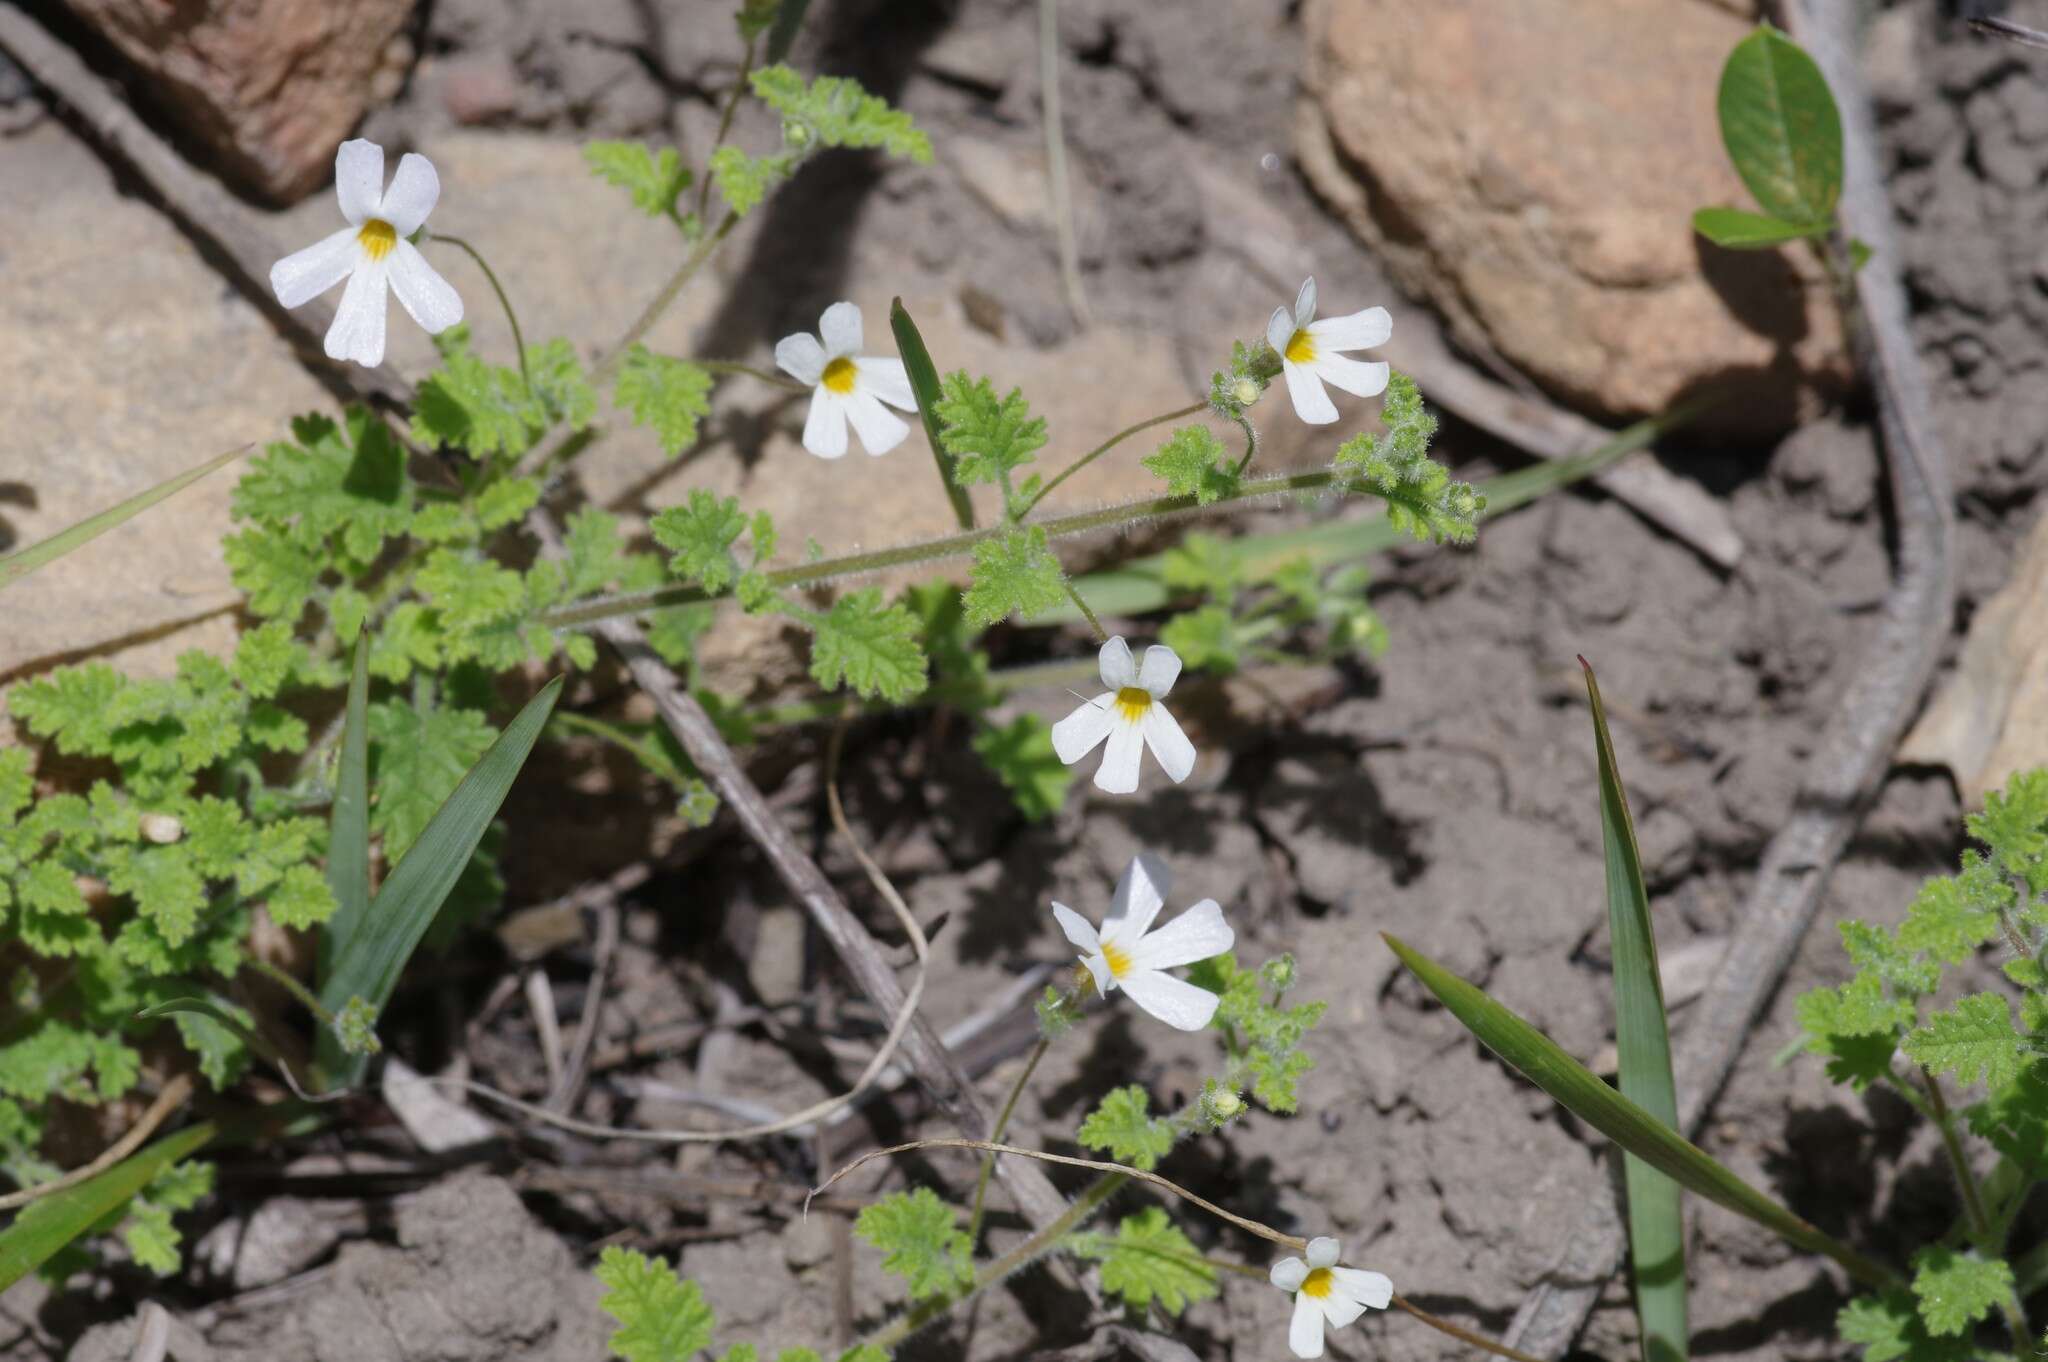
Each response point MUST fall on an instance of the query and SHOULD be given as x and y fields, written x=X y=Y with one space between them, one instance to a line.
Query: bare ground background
x=1445 y=793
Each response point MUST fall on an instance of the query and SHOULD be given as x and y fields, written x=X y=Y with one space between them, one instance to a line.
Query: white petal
x=1097 y=966
x=839 y=328
x=1289 y=1273
x=1176 y=1002
x=1140 y=894
x=801 y=357
x=881 y=430
x=359 y=179
x=1160 y=670
x=1118 y=670
x=886 y=378
x=414 y=191
x=428 y=298
x=1305 y=302
x=1374 y=1289
x=358 y=330
x=1358 y=331
x=1280 y=330
x=825 y=427
x=1076 y=927
x=1305 y=1331
x=1170 y=746
x=1357 y=377
x=1341 y=1310
x=1311 y=403
x=1323 y=1251
x=1197 y=934
x=1118 y=773
x=1075 y=736
x=304 y=275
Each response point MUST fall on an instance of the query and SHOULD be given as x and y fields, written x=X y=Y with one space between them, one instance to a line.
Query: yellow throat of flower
x=1301 y=347
x=377 y=238
x=1318 y=1283
x=1132 y=702
x=839 y=375
x=1117 y=958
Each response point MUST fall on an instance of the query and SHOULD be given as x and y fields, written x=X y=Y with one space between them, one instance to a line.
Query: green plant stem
x=726 y=366
x=602 y=373
x=1085 y=1205
x=1101 y=634
x=1973 y=1204
x=518 y=338
x=732 y=104
x=996 y=1132
x=285 y=980
x=934 y=550
x=1111 y=443
x=648 y=755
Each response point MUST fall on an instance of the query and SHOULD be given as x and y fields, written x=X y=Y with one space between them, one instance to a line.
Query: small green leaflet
x=837 y=112
x=1423 y=501
x=988 y=436
x=1014 y=574
x=1020 y=753
x=666 y=395
x=661 y=1317
x=920 y=1241
x=1973 y=1039
x=654 y=178
x=868 y=646
x=700 y=534
x=1150 y=1259
x=1955 y=1290
x=1195 y=463
x=1124 y=1125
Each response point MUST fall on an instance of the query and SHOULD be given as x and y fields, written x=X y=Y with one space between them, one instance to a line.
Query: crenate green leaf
x=1124 y=1125
x=1149 y=1260
x=668 y=396
x=662 y=1318
x=920 y=1241
x=1015 y=573
x=654 y=178
x=869 y=647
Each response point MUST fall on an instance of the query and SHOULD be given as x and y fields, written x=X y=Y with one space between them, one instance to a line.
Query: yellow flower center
x=839 y=375
x=1301 y=347
x=377 y=238
x=1132 y=702
x=1318 y=1283
x=1118 y=960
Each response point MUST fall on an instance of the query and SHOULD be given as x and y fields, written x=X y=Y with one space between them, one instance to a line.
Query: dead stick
x=1863 y=729
x=169 y=1100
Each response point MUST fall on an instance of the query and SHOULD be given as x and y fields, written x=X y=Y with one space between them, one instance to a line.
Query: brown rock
x=270 y=87
x=1532 y=170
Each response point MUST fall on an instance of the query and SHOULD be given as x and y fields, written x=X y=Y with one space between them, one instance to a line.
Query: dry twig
x=169 y=1100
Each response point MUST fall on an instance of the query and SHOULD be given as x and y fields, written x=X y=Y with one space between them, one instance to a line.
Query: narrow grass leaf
x=16 y=566
x=1574 y=1087
x=46 y=1226
x=1781 y=127
x=1656 y=1225
x=924 y=383
x=1739 y=230
x=367 y=964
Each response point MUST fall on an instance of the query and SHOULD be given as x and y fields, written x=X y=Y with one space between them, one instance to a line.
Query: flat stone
x=129 y=361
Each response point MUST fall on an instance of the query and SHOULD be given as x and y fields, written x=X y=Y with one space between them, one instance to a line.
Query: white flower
x=1127 y=953
x=370 y=252
x=1324 y=1291
x=1130 y=717
x=845 y=386
x=1309 y=354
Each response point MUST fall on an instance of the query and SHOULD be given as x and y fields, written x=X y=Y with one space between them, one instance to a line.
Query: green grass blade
x=1738 y=230
x=1781 y=127
x=46 y=1226
x=16 y=566
x=924 y=382
x=789 y=17
x=1656 y=1224
x=367 y=963
x=1574 y=1087
x=348 y=843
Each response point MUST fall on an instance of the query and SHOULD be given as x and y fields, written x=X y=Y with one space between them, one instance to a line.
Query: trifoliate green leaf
x=988 y=437
x=1955 y=914
x=277 y=575
x=1888 y=1328
x=469 y=591
x=700 y=534
x=167 y=890
x=301 y=899
x=409 y=638
x=418 y=755
x=265 y=658
x=1150 y=1259
x=1883 y=953
x=920 y=1241
x=867 y=646
x=51 y=1060
x=1955 y=1290
x=662 y=1318
x=1861 y=1007
x=47 y=887
x=834 y=111
x=1422 y=499
x=744 y=181
x=505 y=501
x=1125 y=1126
x=347 y=481
x=1205 y=639
x=655 y=179
x=1974 y=1038
x=481 y=409
x=1020 y=753
x=1195 y=463
x=666 y=395
x=70 y=705
x=1015 y=573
